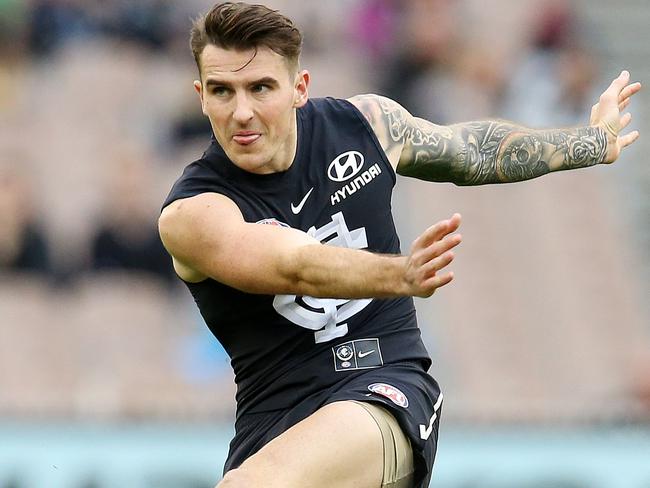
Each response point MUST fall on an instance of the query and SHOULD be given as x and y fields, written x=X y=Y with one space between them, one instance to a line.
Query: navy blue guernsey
x=338 y=189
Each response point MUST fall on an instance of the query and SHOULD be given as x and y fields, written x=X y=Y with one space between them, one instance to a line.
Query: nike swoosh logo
x=364 y=354
x=297 y=208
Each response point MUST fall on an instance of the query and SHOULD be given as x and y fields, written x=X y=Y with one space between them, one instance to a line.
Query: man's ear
x=199 y=89
x=301 y=89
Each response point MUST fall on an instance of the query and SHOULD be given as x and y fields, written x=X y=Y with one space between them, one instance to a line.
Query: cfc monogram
x=327 y=317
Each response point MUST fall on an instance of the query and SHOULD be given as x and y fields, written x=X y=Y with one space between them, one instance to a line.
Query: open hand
x=430 y=253
x=606 y=114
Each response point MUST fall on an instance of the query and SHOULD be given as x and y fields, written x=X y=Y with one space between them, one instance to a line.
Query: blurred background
x=108 y=376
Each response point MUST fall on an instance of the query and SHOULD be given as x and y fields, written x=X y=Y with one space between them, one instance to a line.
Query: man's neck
x=286 y=155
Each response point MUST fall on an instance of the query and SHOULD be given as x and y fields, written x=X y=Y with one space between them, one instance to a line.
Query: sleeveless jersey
x=338 y=189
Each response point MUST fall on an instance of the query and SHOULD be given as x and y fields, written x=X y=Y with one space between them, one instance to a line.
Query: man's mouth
x=246 y=138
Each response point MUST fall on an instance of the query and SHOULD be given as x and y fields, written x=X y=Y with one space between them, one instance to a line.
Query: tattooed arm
x=477 y=153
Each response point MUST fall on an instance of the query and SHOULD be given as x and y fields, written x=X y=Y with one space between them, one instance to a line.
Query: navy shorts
x=405 y=389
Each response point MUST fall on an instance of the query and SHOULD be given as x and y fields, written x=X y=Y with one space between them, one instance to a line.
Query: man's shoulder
x=199 y=176
x=383 y=116
x=326 y=105
x=329 y=115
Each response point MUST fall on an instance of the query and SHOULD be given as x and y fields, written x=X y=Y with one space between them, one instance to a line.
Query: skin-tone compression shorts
x=398 y=455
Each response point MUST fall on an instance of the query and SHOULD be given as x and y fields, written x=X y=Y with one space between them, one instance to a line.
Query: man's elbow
x=166 y=224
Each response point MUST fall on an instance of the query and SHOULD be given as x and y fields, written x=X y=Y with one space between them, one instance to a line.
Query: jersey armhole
x=182 y=196
x=375 y=140
x=206 y=278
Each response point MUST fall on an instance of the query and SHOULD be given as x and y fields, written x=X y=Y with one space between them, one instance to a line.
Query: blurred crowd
x=121 y=232
x=99 y=118
x=446 y=74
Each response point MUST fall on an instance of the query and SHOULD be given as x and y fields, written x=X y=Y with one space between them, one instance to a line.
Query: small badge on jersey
x=390 y=392
x=272 y=221
x=358 y=354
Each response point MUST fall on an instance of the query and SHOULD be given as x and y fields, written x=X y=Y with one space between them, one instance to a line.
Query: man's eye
x=220 y=91
x=261 y=88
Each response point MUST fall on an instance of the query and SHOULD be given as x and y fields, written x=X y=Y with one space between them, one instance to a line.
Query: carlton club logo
x=326 y=316
x=345 y=166
x=344 y=353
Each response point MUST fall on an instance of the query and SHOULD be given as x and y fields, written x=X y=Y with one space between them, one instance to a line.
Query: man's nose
x=243 y=109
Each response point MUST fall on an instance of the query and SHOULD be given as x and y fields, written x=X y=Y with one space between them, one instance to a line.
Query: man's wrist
x=610 y=135
x=402 y=286
x=583 y=147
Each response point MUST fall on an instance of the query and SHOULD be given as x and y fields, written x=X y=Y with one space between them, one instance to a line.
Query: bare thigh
x=340 y=445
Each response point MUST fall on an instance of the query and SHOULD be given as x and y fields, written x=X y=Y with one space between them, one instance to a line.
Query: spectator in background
x=373 y=28
x=451 y=76
x=189 y=126
x=126 y=237
x=146 y=22
x=12 y=14
x=23 y=242
x=554 y=83
x=423 y=51
x=53 y=22
x=153 y=24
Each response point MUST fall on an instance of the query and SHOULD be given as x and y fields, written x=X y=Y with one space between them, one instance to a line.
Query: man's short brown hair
x=243 y=26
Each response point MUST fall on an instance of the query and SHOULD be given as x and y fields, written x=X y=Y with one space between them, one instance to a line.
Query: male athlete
x=283 y=233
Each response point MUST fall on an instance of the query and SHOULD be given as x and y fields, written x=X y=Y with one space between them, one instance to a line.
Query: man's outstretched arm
x=492 y=151
x=208 y=238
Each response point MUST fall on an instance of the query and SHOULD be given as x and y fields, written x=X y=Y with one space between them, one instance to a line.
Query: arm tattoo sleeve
x=478 y=153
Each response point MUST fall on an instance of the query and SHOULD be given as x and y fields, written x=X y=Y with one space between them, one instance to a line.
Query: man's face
x=250 y=100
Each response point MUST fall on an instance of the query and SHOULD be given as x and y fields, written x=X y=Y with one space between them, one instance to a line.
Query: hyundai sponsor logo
x=345 y=166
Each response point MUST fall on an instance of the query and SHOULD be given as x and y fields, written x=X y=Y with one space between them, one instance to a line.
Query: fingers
x=624 y=100
x=431 y=252
x=625 y=92
x=432 y=267
x=622 y=106
x=437 y=231
x=628 y=139
x=432 y=260
x=629 y=90
x=615 y=89
x=626 y=95
x=625 y=120
x=619 y=83
x=607 y=112
x=432 y=284
x=428 y=255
